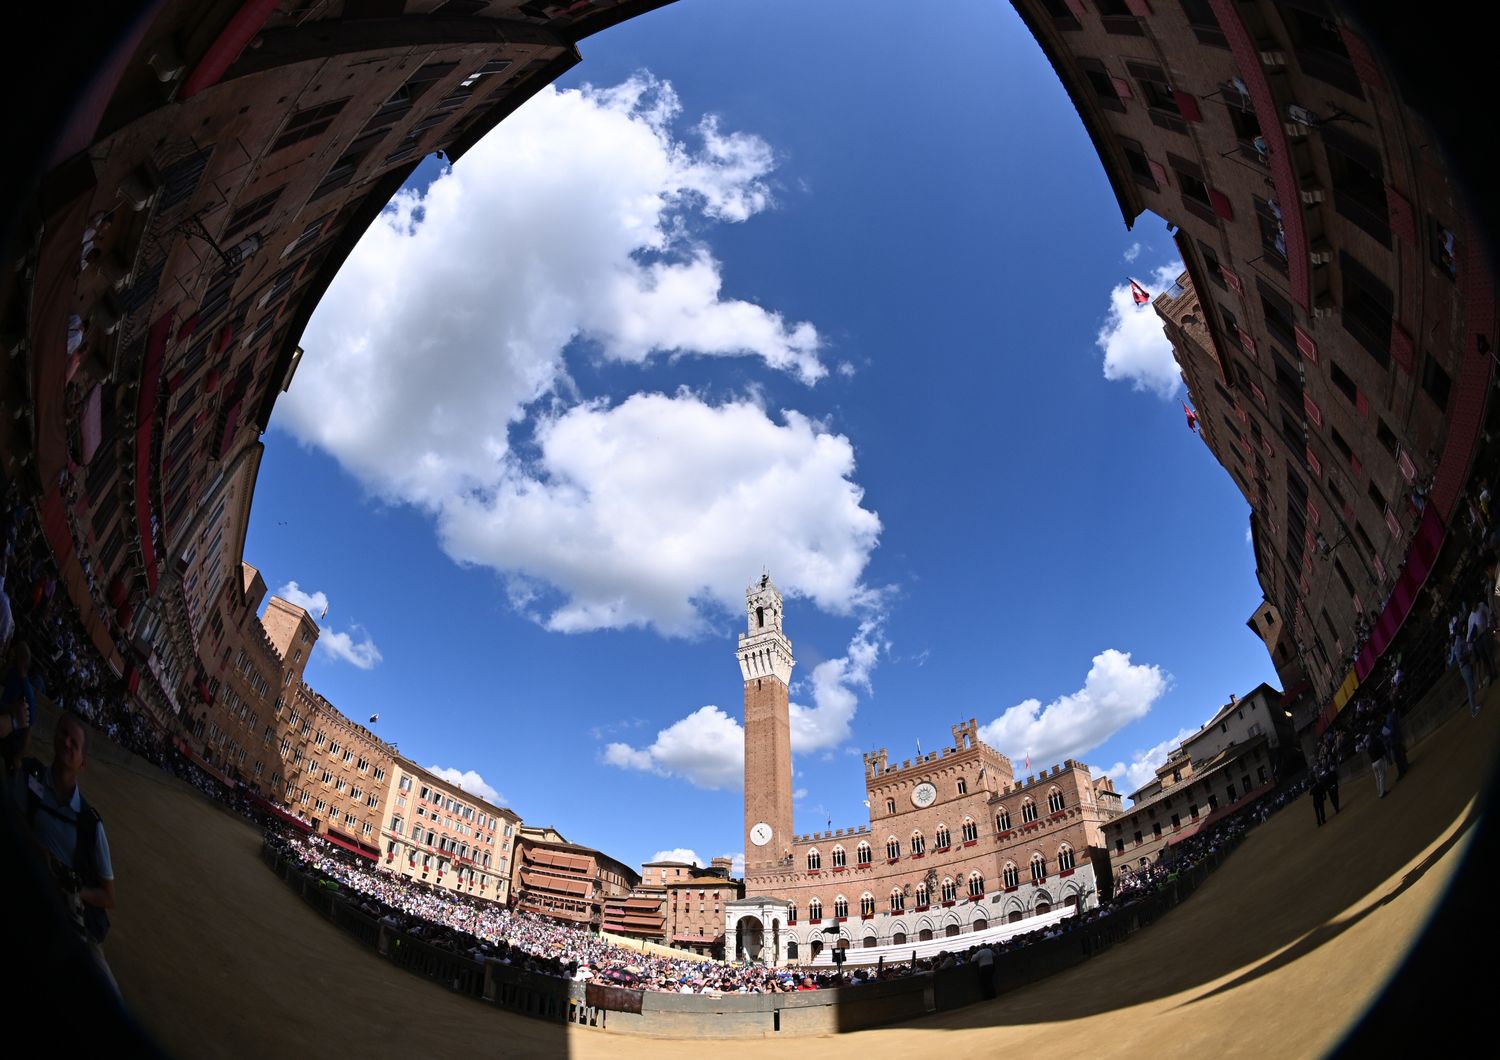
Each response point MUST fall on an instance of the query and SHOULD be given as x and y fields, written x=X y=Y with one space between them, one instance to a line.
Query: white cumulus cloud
x=1141 y=769
x=313 y=603
x=1132 y=252
x=707 y=748
x=437 y=372
x=647 y=512
x=1135 y=348
x=342 y=646
x=470 y=781
x=678 y=854
x=1115 y=693
x=835 y=691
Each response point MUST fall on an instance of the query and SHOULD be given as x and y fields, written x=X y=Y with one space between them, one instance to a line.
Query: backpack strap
x=86 y=852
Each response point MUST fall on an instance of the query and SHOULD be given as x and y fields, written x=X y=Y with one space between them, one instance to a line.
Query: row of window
x=943 y=839
x=948 y=890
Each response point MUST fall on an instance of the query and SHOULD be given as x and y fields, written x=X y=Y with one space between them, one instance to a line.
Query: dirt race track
x=1277 y=955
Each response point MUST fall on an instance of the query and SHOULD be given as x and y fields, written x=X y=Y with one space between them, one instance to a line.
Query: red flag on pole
x=1192 y=417
x=1139 y=293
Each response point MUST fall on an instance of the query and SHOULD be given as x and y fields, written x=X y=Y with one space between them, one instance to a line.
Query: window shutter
x=1398 y=208
x=1187 y=105
x=1245 y=339
x=1158 y=173
x=1232 y=280
x=1311 y=408
x=1361 y=404
x=1391 y=524
x=1317 y=469
x=1122 y=87
x=1221 y=204
x=1401 y=346
x=1312 y=509
x=1305 y=344
x=1408 y=469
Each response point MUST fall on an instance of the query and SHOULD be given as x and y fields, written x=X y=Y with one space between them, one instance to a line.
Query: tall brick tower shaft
x=766 y=663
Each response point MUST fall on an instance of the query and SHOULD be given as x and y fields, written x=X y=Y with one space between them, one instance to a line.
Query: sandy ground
x=1277 y=955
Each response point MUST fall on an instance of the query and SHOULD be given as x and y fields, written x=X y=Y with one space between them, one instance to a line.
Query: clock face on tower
x=923 y=795
x=760 y=834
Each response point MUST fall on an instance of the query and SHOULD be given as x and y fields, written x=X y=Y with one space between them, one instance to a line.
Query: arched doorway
x=950 y=930
x=1016 y=915
x=925 y=935
x=871 y=942
x=1043 y=906
x=750 y=941
x=980 y=923
x=843 y=944
x=1071 y=901
x=899 y=938
x=816 y=947
x=791 y=951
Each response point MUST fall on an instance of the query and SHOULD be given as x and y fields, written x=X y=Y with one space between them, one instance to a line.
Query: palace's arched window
x=898 y=901
x=950 y=889
x=922 y=895
x=1011 y=875
x=867 y=904
x=841 y=907
x=971 y=830
x=963 y=786
x=1038 y=868
x=1028 y=812
x=890 y=805
x=1064 y=858
x=1002 y=820
x=893 y=848
x=791 y=914
x=976 y=885
x=814 y=861
x=918 y=844
x=862 y=854
x=815 y=910
x=838 y=857
x=1054 y=801
x=944 y=839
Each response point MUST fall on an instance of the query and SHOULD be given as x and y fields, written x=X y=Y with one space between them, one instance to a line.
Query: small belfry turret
x=766 y=663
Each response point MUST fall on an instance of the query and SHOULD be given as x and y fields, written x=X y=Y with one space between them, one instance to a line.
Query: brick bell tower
x=766 y=664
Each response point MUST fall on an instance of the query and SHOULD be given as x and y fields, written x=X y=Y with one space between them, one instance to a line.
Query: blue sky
x=820 y=288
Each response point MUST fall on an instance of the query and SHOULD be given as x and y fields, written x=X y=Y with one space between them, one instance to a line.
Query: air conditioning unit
x=1323 y=306
x=165 y=63
x=1312 y=194
x=1320 y=253
x=1301 y=115
x=1272 y=57
x=1294 y=130
x=140 y=185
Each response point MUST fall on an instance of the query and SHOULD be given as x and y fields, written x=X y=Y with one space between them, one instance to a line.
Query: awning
x=93 y=406
x=203 y=765
x=156 y=348
x=542 y=881
x=278 y=812
x=339 y=841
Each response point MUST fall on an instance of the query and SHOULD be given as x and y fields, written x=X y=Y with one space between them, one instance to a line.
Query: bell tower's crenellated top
x=764 y=649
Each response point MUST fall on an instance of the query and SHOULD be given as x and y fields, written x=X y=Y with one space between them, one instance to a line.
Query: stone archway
x=750 y=939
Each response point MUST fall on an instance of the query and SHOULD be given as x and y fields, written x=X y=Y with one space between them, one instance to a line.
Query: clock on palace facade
x=760 y=835
x=923 y=795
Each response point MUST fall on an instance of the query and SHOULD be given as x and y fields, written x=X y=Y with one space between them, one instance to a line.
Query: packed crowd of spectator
x=483 y=930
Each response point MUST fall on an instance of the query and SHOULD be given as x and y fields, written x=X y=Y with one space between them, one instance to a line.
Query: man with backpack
x=70 y=834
